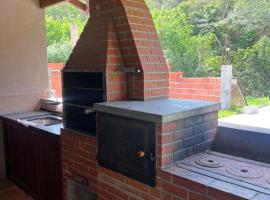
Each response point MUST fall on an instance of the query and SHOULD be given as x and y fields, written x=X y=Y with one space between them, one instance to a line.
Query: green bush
x=58 y=22
x=252 y=68
x=59 y=52
x=189 y=53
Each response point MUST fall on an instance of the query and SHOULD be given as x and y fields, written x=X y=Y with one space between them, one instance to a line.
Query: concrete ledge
x=158 y=111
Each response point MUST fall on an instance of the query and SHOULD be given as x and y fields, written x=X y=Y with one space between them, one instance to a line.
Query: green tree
x=190 y=53
x=57 y=30
x=252 y=68
x=58 y=22
x=59 y=52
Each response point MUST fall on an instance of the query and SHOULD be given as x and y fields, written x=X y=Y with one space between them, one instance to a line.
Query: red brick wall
x=179 y=87
x=55 y=77
x=121 y=34
x=194 y=88
x=79 y=159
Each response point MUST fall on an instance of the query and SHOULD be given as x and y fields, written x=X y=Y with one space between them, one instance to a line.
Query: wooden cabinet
x=21 y=156
x=34 y=160
x=49 y=166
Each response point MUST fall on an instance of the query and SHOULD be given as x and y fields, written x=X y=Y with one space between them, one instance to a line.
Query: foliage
x=58 y=21
x=162 y=3
x=190 y=53
x=59 y=52
x=195 y=35
x=232 y=111
x=66 y=11
x=57 y=31
x=252 y=68
x=259 y=101
x=214 y=27
x=252 y=101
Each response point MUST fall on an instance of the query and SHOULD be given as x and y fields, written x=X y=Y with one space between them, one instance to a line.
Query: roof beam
x=79 y=5
x=46 y=3
x=82 y=6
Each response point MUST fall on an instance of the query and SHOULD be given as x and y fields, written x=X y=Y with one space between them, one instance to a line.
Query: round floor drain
x=209 y=162
x=245 y=172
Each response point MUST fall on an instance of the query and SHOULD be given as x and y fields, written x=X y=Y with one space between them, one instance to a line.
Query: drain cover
x=209 y=162
x=245 y=172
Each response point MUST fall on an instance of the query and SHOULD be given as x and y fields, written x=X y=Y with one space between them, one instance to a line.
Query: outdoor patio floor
x=8 y=191
x=250 y=122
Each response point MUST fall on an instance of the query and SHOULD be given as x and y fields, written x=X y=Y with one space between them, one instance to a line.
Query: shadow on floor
x=8 y=191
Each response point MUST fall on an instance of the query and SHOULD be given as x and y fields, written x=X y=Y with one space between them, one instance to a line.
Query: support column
x=226 y=86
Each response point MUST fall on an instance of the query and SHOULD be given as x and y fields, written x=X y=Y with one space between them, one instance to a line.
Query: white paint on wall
x=23 y=60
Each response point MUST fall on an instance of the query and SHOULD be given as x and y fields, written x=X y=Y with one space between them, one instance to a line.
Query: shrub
x=59 y=52
x=252 y=68
x=189 y=53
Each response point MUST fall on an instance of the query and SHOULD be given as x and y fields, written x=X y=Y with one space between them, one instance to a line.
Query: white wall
x=23 y=61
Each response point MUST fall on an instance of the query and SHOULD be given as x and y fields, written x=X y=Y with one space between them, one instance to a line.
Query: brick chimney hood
x=120 y=40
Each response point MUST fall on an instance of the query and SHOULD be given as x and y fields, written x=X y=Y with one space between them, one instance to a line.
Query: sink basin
x=47 y=120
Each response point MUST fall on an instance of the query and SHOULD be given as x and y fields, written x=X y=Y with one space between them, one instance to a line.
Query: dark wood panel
x=46 y=3
x=49 y=166
x=33 y=160
x=21 y=157
x=76 y=3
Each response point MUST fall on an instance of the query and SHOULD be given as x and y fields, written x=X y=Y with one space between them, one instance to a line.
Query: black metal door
x=127 y=146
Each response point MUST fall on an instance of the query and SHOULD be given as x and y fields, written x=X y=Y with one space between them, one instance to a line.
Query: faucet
x=52 y=93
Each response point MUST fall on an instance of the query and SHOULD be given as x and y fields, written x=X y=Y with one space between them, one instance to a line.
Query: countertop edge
x=8 y=116
x=154 y=117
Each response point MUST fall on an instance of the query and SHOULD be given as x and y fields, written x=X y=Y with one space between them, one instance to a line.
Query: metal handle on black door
x=152 y=158
x=141 y=154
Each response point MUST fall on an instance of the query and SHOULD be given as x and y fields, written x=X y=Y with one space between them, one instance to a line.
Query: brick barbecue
x=120 y=54
x=120 y=36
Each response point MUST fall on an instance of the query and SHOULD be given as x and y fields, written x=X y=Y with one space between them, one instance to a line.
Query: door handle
x=141 y=154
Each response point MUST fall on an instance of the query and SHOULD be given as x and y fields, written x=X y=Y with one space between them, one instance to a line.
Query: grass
x=252 y=101
x=263 y=101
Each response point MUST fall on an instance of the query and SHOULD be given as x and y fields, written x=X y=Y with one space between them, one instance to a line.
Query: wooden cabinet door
x=21 y=159
x=49 y=166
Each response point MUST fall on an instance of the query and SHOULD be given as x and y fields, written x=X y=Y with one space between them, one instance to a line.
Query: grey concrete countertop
x=54 y=129
x=159 y=111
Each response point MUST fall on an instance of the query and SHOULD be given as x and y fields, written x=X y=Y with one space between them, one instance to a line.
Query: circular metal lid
x=245 y=172
x=209 y=162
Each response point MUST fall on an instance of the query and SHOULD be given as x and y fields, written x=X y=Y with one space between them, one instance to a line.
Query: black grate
x=80 y=91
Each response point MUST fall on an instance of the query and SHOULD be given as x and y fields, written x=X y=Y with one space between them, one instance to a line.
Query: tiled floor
x=12 y=192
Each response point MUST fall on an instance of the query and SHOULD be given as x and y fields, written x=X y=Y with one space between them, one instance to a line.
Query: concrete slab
x=159 y=110
x=259 y=122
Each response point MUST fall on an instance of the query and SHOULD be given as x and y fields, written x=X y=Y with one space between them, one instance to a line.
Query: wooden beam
x=79 y=5
x=46 y=3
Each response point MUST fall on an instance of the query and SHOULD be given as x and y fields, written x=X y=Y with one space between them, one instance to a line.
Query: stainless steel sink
x=46 y=120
